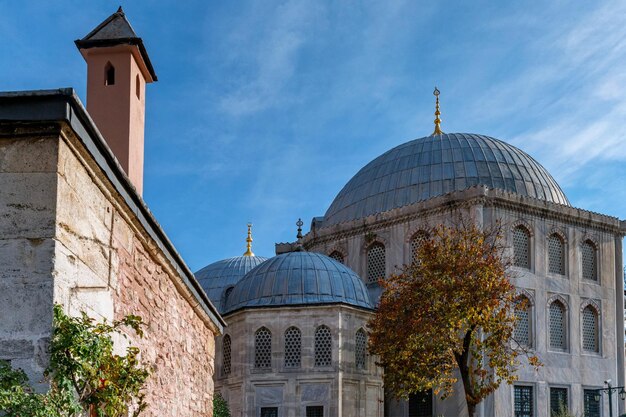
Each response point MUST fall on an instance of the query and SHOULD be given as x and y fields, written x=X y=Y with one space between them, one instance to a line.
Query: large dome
x=298 y=278
x=217 y=277
x=437 y=165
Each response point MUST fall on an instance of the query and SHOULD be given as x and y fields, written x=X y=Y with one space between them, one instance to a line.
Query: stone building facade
x=295 y=343
x=568 y=261
x=75 y=230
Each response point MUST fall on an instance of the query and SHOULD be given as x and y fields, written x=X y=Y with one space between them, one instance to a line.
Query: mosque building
x=296 y=335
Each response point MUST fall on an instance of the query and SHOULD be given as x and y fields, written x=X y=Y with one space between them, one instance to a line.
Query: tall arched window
x=293 y=347
x=590 y=261
x=521 y=247
x=416 y=241
x=590 y=330
x=375 y=262
x=523 y=333
x=558 y=326
x=226 y=355
x=336 y=255
x=109 y=74
x=263 y=348
x=323 y=346
x=138 y=87
x=360 y=346
x=556 y=254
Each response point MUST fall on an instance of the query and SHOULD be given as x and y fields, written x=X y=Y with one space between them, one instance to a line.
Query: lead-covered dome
x=218 y=277
x=436 y=165
x=298 y=278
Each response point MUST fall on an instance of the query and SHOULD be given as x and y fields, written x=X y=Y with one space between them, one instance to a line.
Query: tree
x=220 y=406
x=452 y=308
x=84 y=374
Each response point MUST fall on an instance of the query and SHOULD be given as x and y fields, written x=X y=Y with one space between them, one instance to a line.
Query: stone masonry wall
x=68 y=236
x=27 y=226
x=114 y=268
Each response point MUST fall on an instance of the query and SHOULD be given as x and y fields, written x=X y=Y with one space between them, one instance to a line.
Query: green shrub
x=84 y=374
x=220 y=406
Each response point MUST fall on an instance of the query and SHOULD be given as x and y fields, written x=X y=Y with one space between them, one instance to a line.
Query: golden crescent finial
x=438 y=130
x=249 y=242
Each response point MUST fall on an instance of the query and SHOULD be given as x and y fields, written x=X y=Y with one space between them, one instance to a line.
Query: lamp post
x=609 y=390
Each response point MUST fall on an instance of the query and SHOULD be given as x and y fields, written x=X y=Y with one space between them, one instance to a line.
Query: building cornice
x=478 y=195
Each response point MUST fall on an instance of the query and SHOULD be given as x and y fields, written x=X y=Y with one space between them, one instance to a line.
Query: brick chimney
x=118 y=69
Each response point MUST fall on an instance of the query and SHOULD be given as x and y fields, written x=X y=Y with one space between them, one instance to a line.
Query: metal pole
x=610 y=391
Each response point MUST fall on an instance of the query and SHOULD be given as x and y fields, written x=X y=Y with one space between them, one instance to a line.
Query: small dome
x=217 y=277
x=298 y=278
x=436 y=165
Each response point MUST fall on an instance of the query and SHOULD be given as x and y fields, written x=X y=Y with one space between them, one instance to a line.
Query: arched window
x=523 y=333
x=263 y=348
x=137 y=87
x=590 y=261
x=227 y=294
x=558 y=326
x=416 y=241
x=556 y=254
x=521 y=247
x=226 y=355
x=323 y=346
x=590 y=329
x=375 y=262
x=109 y=74
x=336 y=255
x=293 y=347
x=360 y=346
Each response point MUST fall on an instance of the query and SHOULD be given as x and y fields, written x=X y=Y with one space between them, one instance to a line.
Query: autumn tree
x=452 y=308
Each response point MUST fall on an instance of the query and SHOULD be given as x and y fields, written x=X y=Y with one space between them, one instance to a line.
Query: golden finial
x=437 y=114
x=249 y=242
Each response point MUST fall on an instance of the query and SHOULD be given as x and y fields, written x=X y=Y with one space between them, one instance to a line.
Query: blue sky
x=265 y=109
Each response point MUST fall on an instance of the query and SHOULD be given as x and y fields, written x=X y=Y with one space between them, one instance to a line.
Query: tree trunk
x=462 y=362
x=471 y=409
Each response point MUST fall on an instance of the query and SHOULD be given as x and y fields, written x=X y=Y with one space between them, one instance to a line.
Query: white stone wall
x=28 y=185
x=342 y=389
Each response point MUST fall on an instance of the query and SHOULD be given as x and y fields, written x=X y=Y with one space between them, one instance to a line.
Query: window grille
x=336 y=255
x=375 y=262
x=360 y=346
x=558 y=338
x=269 y=411
x=293 y=347
x=590 y=261
x=263 y=348
x=323 y=346
x=590 y=404
x=556 y=255
x=416 y=241
x=521 y=247
x=590 y=329
x=315 y=411
x=421 y=404
x=523 y=401
x=558 y=401
x=523 y=328
x=226 y=355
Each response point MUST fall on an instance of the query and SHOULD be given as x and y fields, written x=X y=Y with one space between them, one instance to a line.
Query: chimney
x=118 y=69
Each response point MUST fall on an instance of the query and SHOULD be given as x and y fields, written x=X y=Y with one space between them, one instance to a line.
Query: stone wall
x=69 y=236
x=27 y=228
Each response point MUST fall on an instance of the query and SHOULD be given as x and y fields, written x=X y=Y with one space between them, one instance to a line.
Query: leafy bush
x=84 y=374
x=220 y=406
